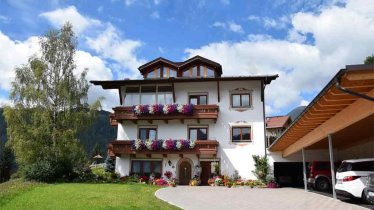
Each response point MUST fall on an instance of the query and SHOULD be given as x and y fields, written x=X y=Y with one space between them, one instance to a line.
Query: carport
x=340 y=117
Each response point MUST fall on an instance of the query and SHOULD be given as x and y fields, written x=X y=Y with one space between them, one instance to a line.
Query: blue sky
x=305 y=42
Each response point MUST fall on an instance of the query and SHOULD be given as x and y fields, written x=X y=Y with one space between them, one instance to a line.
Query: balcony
x=199 y=112
x=202 y=147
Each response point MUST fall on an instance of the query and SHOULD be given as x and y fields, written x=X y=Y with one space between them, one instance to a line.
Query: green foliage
x=236 y=176
x=261 y=167
x=101 y=174
x=5 y=162
x=109 y=164
x=50 y=108
x=369 y=60
x=100 y=133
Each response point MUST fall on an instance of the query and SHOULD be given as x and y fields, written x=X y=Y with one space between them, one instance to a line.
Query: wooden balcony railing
x=199 y=112
x=202 y=147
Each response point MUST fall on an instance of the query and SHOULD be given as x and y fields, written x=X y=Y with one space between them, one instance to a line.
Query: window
x=131 y=96
x=191 y=72
x=241 y=134
x=164 y=95
x=146 y=167
x=168 y=72
x=147 y=133
x=206 y=71
x=198 y=133
x=156 y=73
x=198 y=99
x=241 y=100
x=148 y=95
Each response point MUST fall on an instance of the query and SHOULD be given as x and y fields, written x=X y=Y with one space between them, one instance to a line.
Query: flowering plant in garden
x=160 y=182
x=153 y=109
x=168 y=174
x=159 y=144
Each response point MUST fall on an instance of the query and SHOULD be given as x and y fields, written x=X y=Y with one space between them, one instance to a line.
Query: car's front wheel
x=322 y=184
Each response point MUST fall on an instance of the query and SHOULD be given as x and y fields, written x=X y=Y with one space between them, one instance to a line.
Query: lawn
x=27 y=195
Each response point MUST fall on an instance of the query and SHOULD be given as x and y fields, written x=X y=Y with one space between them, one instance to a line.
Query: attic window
x=156 y=73
x=169 y=72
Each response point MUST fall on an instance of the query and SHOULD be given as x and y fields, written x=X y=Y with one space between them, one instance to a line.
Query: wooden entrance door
x=184 y=173
x=205 y=171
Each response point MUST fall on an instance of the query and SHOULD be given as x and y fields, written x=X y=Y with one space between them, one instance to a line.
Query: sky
x=305 y=42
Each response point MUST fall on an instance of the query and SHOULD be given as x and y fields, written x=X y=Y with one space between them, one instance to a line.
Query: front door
x=205 y=171
x=184 y=173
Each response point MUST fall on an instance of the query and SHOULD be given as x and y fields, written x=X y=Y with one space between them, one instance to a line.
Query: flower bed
x=157 y=109
x=162 y=145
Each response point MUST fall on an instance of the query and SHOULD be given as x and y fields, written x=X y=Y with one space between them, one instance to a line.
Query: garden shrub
x=102 y=175
x=261 y=167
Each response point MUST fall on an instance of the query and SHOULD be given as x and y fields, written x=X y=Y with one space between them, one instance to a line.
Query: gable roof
x=277 y=122
x=178 y=65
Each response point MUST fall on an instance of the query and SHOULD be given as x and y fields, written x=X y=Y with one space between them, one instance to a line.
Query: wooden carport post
x=331 y=153
x=304 y=170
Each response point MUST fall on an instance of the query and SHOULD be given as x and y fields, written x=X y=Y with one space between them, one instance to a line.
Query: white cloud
x=254 y=18
x=304 y=102
x=219 y=24
x=13 y=54
x=156 y=2
x=342 y=36
x=155 y=15
x=110 y=45
x=97 y=69
x=231 y=26
x=268 y=23
x=235 y=27
x=59 y=17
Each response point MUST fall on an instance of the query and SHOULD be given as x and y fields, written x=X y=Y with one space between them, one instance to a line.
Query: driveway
x=238 y=198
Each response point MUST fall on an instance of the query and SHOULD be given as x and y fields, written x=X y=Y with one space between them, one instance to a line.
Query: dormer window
x=162 y=72
x=169 y=72
x=156 y=73
x=193 y=67
x=199 y=71
x=191 y=72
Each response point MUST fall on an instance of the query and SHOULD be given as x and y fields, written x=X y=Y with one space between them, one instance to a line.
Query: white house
x=224 y=124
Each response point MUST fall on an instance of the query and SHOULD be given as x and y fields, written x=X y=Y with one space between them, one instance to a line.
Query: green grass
x=28 y=195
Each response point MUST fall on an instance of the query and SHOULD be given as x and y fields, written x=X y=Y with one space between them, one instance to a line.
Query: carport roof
x=332 y=111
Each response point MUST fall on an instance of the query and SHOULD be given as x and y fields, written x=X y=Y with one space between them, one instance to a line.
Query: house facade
x=186 y=118
x=275 y=126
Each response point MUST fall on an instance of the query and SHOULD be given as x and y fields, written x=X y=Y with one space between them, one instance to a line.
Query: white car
x=351 y=177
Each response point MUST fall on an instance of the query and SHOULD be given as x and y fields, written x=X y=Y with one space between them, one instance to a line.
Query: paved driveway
x=238 y=198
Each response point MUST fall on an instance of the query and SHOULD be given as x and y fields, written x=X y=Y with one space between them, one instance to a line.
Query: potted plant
x=195 y=181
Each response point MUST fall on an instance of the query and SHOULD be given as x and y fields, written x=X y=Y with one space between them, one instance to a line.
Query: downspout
x=350 y=92
x=263 y=112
